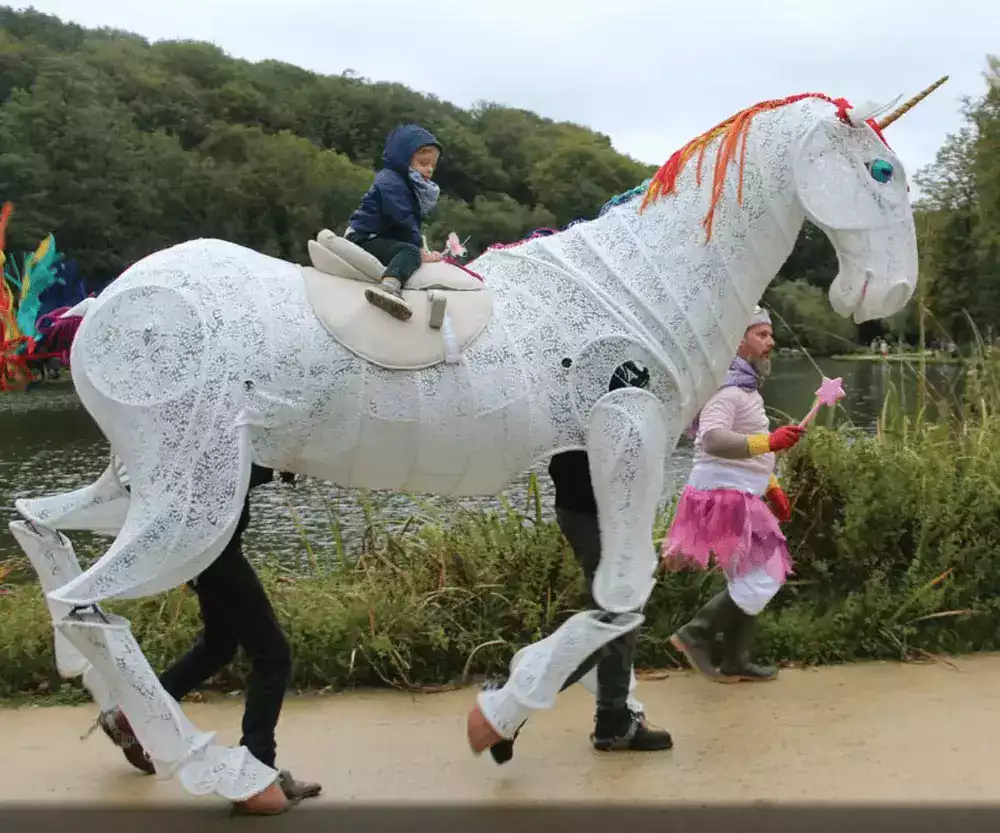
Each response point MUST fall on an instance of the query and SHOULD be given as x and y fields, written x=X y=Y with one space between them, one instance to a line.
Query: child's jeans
x=400 y=259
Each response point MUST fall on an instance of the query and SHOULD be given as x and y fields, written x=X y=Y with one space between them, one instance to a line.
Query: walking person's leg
x=733 y=613
x=214 y=649
x=616 y=726
x=236 y=611
x=749 y=595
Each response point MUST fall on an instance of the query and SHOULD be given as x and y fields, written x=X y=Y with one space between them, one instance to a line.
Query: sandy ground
x=866 y=732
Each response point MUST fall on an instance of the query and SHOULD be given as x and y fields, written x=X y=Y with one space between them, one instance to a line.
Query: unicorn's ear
x=869 y=110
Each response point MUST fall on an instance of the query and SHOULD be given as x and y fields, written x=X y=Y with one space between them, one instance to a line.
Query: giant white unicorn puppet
x=207 y=356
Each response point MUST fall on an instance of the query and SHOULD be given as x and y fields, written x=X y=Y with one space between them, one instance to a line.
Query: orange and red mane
x=734 y=131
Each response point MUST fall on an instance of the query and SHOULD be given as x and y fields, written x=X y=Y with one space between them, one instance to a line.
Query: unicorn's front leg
x=627 y=443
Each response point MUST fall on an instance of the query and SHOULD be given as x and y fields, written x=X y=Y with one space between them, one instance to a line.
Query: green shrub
x=894 y=538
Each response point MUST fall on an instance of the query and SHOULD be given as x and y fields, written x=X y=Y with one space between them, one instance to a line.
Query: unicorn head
x=851 y=184
x=838 y=171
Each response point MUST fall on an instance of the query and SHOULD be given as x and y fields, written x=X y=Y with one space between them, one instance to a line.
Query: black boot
x=737 y=639
x=503 y=751
x=622 y=729
x=297 y=790
x=696 y=639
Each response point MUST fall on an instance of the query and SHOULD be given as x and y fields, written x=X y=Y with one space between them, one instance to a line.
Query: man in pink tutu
x=731 y=509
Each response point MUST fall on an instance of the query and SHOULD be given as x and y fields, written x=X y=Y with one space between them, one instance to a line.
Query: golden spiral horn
x=906 y=106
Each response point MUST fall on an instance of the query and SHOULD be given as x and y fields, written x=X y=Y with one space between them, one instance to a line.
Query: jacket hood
x=402 y=143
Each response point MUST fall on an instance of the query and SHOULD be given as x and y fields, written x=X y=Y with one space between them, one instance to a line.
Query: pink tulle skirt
x=737 y=528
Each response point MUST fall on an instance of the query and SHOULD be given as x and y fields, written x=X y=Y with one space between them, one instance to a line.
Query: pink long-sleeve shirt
x=741 y=411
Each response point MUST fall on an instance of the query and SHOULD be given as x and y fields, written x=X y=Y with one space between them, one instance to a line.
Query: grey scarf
x=427 y=192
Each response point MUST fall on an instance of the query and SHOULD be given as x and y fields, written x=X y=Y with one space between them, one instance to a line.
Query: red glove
x=780 y=439
x=783 y=438
x=778 y=500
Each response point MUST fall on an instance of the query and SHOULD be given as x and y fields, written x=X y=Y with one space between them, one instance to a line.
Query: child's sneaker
x=388 y=296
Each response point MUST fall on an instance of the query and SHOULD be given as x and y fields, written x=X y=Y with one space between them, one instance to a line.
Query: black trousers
x=236 y=612
x=400 y=259
x=571 y=476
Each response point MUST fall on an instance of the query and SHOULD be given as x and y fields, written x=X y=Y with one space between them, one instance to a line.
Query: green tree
x=803 y=318
x=122 y=147
x=957 y=228
x=579 y=175
x=813 y=260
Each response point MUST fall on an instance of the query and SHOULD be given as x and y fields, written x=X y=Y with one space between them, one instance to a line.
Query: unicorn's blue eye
x=880 y=170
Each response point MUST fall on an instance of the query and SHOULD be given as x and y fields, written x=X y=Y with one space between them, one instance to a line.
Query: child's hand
x=431 y=257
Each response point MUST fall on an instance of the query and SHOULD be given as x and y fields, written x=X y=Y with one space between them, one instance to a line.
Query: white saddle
x=339 y=256
x=450 y=307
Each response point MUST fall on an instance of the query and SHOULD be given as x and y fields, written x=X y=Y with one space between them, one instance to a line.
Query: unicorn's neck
x=693 y=297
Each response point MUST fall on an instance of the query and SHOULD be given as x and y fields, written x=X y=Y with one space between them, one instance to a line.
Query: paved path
x=856 y=733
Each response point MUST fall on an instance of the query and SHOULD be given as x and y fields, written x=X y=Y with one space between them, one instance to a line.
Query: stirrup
x=438 y=302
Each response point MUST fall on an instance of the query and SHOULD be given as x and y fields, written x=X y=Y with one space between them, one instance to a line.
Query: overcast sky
x=651 y=74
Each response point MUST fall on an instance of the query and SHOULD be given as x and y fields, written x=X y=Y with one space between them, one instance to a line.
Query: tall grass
x=894 y=536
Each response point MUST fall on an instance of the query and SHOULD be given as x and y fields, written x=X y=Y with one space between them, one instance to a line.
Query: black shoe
x=626 y=730
x=503 y=751
x=297 y=790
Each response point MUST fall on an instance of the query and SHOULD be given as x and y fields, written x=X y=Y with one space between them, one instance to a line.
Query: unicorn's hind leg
x=163 y=542
x=627 y=442
x=151 y=715
x=100 y=507
x=54 y=561
x=102 y=649
x=154 y=372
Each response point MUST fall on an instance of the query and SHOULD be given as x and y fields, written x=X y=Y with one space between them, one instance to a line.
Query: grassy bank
x=909 y=358
x=894 y=540
x=894 y=537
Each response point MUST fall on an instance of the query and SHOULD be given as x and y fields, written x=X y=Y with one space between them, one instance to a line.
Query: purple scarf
x=740 y=375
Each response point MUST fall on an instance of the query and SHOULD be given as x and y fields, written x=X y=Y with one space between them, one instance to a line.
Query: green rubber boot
x=737 y=639
x=696 y=639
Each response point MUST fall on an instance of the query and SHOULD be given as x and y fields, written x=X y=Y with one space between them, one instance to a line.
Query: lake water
x=49 y=443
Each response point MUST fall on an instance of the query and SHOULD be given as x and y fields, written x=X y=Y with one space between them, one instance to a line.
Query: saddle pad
x=368 y=332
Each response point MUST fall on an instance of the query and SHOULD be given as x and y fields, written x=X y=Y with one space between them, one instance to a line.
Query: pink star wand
x=829 y=393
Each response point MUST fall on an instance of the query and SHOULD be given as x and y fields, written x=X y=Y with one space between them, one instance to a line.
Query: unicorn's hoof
x=481 y=734
x=270 y=802
x=119 y=731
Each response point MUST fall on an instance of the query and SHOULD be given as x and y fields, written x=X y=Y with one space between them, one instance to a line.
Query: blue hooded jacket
x=390 y=208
